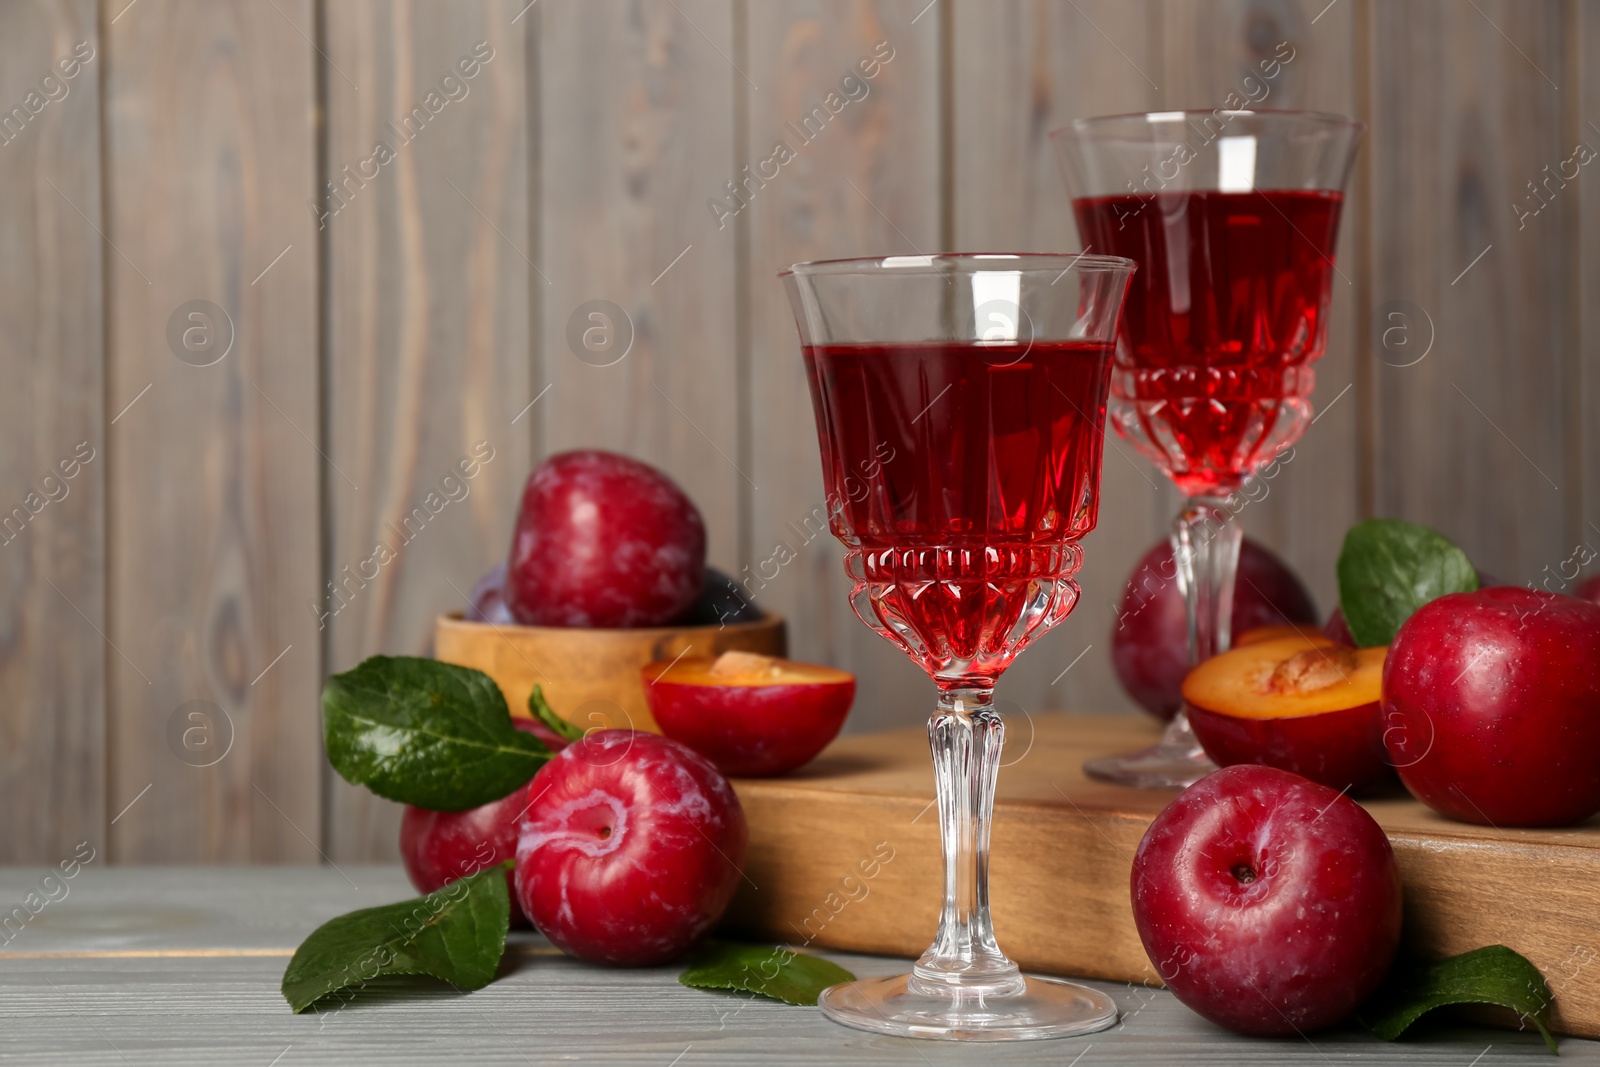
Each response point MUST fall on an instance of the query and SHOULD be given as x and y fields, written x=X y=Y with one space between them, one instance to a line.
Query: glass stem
x=1205 y=550
x=1205 y=547
x=966 y=735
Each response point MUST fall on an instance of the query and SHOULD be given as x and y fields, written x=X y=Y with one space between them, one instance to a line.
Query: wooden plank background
x=53 y=662
x=165 y=625
x=213 y=524
x=429 y=273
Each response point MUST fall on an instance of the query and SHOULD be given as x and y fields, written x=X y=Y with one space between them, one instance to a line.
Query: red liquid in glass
x=1224 y=316
x=960 y=475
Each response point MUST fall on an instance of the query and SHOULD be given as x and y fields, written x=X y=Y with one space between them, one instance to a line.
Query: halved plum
x=1270 y=633
x=753 y=716
x=1302 y=704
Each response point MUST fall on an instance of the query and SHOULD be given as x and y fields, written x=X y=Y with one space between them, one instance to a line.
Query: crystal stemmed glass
x=960 y=405
x=1232 y=217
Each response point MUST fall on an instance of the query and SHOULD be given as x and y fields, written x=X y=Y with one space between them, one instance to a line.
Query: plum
x=602 y=540
x=630 y=850
x=753 y=716
x=487 y=602
x=1491 y=706
x=1267 y=903
x=438 y=847
x=1150 y=642
x=1303 y=704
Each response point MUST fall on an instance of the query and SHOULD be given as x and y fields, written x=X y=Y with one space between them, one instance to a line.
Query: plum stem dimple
x=1243 y=872
x=594 y=823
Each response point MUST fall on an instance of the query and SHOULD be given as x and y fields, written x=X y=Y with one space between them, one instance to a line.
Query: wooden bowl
x=591 y=677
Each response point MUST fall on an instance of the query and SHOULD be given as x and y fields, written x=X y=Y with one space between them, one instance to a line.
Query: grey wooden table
x=177 y=966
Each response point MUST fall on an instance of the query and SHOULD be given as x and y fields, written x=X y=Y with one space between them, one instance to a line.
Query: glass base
x=1046 y=1007
x=1175 y=762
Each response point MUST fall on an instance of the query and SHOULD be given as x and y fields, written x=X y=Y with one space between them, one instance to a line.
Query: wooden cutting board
x=845 y=855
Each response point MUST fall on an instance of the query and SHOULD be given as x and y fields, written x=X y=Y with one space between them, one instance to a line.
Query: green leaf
x=1491 y=975
x=771 y=971
x=1388 y=569
x=426 y=733
x=457 y=934
x=554 y=723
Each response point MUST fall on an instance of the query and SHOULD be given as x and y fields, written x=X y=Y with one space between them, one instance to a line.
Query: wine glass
x=1232 y=217
x=960 y=406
